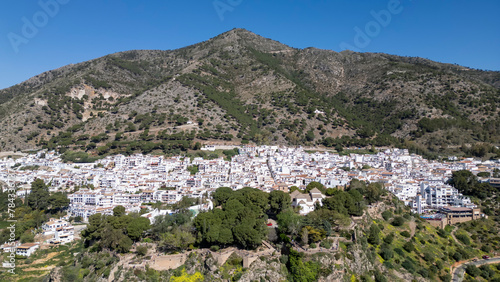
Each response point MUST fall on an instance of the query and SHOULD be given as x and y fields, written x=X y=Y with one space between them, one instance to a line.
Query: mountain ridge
x=247 y=88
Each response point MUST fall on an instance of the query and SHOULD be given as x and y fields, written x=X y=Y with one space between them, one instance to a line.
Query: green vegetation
x=467 y=183
x=192 y=169
x=241 y=220
x=116 y=232
x=37 y=208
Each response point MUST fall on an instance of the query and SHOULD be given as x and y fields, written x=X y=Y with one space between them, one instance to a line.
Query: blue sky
x=71 y=31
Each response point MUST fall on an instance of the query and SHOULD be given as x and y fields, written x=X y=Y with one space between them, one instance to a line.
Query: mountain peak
x=250 y=39
x=241 y=87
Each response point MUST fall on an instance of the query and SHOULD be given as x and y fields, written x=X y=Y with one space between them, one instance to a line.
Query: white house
x=26 y=249
x=62 y=230
x=153 y=214
x=10 y=247
x=50 y=227
x=306 y=202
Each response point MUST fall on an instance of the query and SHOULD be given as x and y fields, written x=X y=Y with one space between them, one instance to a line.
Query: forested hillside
x=242 y=88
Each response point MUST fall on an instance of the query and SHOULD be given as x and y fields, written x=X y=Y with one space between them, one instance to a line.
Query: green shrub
x=399 y=251
x=398 y=221
x=386 y=252
x=457 y=256
x=409 y=247
x=405 y=234
x=424 y=272
x=142 y=250
x=389 y=238
x=445 y=278
x=408 y=265
x=463 y=238
x=486 y=248
x=472 y=270
x=327 y=244
x=429 y=257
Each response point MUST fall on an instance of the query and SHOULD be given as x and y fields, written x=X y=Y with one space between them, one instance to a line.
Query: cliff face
x=239 y=87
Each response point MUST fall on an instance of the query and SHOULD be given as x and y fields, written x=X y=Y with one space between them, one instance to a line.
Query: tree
x=315 y=234
x=136 y=227
x=241 y=219
x=27 y=237
x=409 y=247
x=58 y=201
x=247 y=236
x=472 y=270
x=142 y=250
x=386 y=252
x=289 y=222
x=177 y=239
x=310 y=135
x=398 y=221
x=387 y=214
x=304 y=235
x=463 y=180
x=38 y=199
x=197 y=146
x=389 y=238
x=486 y=271
x=373 y=192
x=339 y=147
x=279 y=201
x=373 y=235
x=221 y=195
x=355 y=203
x=94 y=229
x=114 y=239
x=119 y=211
x=192 y=169
x=300 y=271
x=356 y=184
x=167 y=222
x=408 y=265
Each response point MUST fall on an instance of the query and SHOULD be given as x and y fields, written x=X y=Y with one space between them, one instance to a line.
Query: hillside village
x=148 y=188
x=131 y=181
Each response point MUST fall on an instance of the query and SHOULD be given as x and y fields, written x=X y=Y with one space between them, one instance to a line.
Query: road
x=78 y=229
x=458 y=273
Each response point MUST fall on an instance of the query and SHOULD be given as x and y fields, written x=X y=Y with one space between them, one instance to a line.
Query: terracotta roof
x=27 y=245
x=315 y=191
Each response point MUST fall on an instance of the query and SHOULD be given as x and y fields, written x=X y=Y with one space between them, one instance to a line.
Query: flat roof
x=457 y=209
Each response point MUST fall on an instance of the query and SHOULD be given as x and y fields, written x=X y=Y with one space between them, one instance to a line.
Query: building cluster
x=131 y=181
x=59 y=231
x=452 y=215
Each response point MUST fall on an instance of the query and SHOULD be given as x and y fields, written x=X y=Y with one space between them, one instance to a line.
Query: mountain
x=239 y=87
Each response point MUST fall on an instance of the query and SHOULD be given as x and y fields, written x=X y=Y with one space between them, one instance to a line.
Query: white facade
x=27 y=249
x=306 y=202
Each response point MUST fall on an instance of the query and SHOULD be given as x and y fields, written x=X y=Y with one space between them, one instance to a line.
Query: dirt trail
x=455 y=238
x=413 y=226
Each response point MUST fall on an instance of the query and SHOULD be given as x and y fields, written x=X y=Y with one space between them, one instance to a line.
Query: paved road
x=458 y=273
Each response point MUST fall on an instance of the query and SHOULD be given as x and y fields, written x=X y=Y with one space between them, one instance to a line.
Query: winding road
x=458 y=273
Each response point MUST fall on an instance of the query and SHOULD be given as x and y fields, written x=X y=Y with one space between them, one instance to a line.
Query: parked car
x=486 y=257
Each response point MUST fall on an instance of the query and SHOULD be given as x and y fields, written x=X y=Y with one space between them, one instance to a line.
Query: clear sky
x=36 y=36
